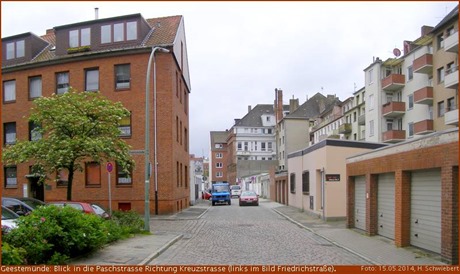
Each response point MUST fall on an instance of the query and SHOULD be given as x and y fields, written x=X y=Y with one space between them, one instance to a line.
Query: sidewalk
x=142 y=249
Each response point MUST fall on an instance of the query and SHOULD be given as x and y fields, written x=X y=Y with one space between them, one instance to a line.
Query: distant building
x=218 y=159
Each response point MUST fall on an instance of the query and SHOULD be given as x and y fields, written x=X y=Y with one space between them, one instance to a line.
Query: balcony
x=451 y=117
x=424 y=64
x=362 y=119
x=394 y=136
x=345 y=128
x=451 y=78
x=424 y=96
x=423 y=127
x=451 y=43
x=393 y=82
x=393 y=109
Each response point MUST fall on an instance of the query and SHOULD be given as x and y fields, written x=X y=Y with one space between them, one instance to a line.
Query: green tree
x=75 y=127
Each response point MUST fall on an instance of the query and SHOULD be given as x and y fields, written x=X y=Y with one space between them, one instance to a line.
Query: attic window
x=119 y=32
x=15 y=49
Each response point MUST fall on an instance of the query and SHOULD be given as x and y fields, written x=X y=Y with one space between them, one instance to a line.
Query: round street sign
x=109 y=167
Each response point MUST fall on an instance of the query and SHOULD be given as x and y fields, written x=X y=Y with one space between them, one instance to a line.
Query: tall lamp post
x=147 y=138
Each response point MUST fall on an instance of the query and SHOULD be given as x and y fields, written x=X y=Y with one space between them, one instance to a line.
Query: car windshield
x=248 y=193
x=220 y=189
x=33 y=203
x=235 y=187
x=98 y=209
x=8 y=214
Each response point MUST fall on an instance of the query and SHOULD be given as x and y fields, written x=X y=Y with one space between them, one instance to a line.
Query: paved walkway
x=142 y=249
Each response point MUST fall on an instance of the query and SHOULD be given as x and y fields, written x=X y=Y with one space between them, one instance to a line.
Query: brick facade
x=402 y=163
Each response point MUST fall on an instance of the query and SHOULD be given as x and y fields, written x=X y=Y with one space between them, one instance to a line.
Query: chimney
x=96 y=13
x=278 y=105
x=293 y=104
x=249 y=108
x=426 y=30
x=49 y=31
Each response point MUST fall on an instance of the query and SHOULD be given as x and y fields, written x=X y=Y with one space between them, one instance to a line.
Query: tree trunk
x=69 y=183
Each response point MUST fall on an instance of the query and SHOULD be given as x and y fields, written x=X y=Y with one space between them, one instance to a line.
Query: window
x=35 y=87
x=93 y=174
x=219 y=174
x=92 y=79
x=219 y=165
x=9 y=91
x=440 y=40
x=186 y=176
x=9 y=136
x=218 y=145
x=62 y=82
x=239 y=146
x=219 y=155
x=62 y=177
x=177 y=174
x=410 y=73
x=306 y=182
x=106 y=34
x=131 y=30
x=262 y=146
x=185 y=139
x=180 y=136
x=389 y=123
x=118 y=32
x=292 y=182
x=371 y=101
x=11 y=179
x=410 y=98
x=268 y=118
x=246 y=146
x=451 y=68
x=123 y=178
x=269 y=146
x=451 y=104
x=15 y=49
x=34 y=131
x=79 y=38
x=371 y=76
x=371 y=128
x=122 y=76
x=125 y=126
x=411 y=129
x=269 y=131
x=441 y=109
x=440 y=75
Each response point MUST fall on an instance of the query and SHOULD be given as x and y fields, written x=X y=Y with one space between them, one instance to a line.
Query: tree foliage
x=76 y=127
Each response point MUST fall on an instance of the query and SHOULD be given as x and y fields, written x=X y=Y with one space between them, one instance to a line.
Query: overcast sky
x=239 y=52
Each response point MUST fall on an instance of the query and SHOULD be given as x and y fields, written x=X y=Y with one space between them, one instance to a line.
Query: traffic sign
x=109 y=167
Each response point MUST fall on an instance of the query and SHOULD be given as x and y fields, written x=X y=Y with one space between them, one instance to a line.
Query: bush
x=130 y=222
x=51 y=235
x=12 y=255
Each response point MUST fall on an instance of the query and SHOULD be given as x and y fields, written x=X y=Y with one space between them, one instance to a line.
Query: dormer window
x=124 y=31
x=79 y=37
x=15 y=49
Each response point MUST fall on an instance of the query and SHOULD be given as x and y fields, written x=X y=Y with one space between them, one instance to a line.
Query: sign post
x=109 y=170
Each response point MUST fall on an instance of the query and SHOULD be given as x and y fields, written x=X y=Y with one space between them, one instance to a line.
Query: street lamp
x=147 y=138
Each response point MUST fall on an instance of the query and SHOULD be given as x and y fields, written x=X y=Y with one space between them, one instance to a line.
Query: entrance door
x=37 y=189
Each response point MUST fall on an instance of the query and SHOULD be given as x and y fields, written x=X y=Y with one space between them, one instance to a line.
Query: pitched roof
x=253 y=117
x=451 y=15
x=218 y=137
x=312 y=107
x=163 y=33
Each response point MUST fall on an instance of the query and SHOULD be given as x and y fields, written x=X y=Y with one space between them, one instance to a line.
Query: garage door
x=360 y=202
x=426 y=210
x=386 y=205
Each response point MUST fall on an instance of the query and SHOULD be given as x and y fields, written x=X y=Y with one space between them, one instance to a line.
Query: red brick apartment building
x=110 y=55
x=219 y=156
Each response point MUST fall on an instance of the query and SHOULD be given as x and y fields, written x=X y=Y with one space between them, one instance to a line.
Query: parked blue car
x=220 y=193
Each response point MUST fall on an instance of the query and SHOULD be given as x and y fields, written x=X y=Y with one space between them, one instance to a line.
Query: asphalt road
x=249 y=235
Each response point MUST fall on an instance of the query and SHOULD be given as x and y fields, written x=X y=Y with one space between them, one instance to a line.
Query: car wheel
x=213 y=203
x=241 y=204
x=229 y=202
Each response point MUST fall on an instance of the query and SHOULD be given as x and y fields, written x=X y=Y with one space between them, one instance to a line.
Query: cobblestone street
x=233 y=235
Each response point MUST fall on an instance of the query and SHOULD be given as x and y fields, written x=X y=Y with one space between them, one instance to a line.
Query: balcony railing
x=451 y=43
x=394 y=109
x=424 y=96
x=423 y=127
x=393 y=82
x=345 y=128
x=451 y=117
x=394 y=136
x=424 y=64
x=451 y=78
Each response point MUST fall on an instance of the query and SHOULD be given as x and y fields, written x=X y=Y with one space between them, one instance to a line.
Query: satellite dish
x=397 y=52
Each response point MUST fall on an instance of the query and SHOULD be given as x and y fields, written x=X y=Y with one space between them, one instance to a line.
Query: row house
x=109 y=55
x=218 y=159
x=354 y=117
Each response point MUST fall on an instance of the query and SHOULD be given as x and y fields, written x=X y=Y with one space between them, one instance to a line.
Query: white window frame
x=9 y=91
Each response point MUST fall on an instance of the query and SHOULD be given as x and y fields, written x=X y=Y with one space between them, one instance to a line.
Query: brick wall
x=169 y=151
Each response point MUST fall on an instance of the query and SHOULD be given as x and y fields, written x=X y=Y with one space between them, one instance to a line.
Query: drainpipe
x=323 y=197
